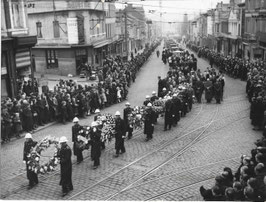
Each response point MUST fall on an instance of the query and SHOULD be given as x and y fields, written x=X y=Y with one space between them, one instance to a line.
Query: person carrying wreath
x=64 y=154
x=31 y=175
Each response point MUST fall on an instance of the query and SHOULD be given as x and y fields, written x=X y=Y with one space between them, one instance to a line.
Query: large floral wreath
x=105 y=123
x=35 y=155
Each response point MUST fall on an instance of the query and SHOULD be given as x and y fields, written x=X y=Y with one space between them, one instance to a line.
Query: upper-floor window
x=56 y=29
x=17 y=13
x=39 y=29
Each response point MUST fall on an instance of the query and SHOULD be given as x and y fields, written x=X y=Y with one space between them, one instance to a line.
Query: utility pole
x=126 y=38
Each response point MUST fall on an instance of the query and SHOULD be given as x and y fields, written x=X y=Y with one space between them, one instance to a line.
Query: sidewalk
x=52 y=81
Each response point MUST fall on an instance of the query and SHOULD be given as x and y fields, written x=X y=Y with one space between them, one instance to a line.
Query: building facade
x=254 y=39
x=70 y=34
x=16 y=44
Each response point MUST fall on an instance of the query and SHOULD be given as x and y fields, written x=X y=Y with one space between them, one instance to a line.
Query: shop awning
x=23 y=57
x=100 y=44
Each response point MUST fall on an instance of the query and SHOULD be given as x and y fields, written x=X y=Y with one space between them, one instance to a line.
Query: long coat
x=208 y=90
x=31 y=175
x=65 y=166
x=150 y=118
x=176 y=108
x=169 y=112
x=75 y=132
x=120 y=131
x=217 y=90
x=95 y=143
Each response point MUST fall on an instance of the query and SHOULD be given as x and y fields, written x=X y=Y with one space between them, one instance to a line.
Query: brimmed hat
x=147 y=96
x=127 y=104
x=149 y=104
x=63 y=139
x=97 y=111
x=28 y=135
x=153 y=92
x=117 y=113
x=75 y=120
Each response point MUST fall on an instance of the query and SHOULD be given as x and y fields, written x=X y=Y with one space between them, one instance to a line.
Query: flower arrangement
x=135 y=119
x=108 y=131
x=35 y=155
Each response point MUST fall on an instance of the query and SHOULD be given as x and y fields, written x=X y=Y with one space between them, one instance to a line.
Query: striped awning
x=22 y=57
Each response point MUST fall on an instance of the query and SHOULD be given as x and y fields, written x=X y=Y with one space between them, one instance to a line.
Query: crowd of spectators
x=248 y=183
x=69 y=99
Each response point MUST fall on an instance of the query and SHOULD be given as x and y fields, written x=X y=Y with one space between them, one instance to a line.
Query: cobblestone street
x=172 y=166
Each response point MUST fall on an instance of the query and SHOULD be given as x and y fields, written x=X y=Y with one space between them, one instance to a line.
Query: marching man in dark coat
x=217 y=91
x=95 y=140
x=28 y=145
x=149 y=121
x=208 y=90
x=169 y=114
x=65 y=166
x=129 y=128
x=75 y=132
x=176 y=109
x=120 y=132
x=198 y=89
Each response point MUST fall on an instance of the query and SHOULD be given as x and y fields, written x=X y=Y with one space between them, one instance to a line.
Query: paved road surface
x=170 y=167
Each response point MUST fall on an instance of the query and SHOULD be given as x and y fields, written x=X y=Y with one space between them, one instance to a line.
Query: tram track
x=197 y=167
x=181 y=172
x=57 y=171
x=139 y=159
x=173 y=156
x=136 y=135
x=179 y=188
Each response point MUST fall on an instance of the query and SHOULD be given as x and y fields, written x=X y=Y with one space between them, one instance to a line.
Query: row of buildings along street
x=58 y=37
x=237 y=28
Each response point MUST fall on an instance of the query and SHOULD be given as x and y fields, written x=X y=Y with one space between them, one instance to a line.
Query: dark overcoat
x=65 y=166
x=169 y=112
x=31 y=175
x=75 y=132
x=150 y=118
x=120 y=131
x=95 y=143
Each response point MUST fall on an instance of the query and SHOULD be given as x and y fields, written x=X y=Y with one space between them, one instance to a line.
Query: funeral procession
x=133 y=100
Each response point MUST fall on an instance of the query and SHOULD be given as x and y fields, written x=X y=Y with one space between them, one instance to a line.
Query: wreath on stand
x=35 y=155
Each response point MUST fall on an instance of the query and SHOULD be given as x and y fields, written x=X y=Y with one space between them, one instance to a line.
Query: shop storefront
x=15 y=63
x=81 y=56
x=100 y=52
x=8 y=75
x=5 y=85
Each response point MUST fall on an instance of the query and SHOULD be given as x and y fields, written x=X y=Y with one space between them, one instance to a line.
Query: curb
x=12 y=139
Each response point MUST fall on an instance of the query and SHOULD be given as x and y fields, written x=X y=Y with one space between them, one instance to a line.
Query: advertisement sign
x=72 y=27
